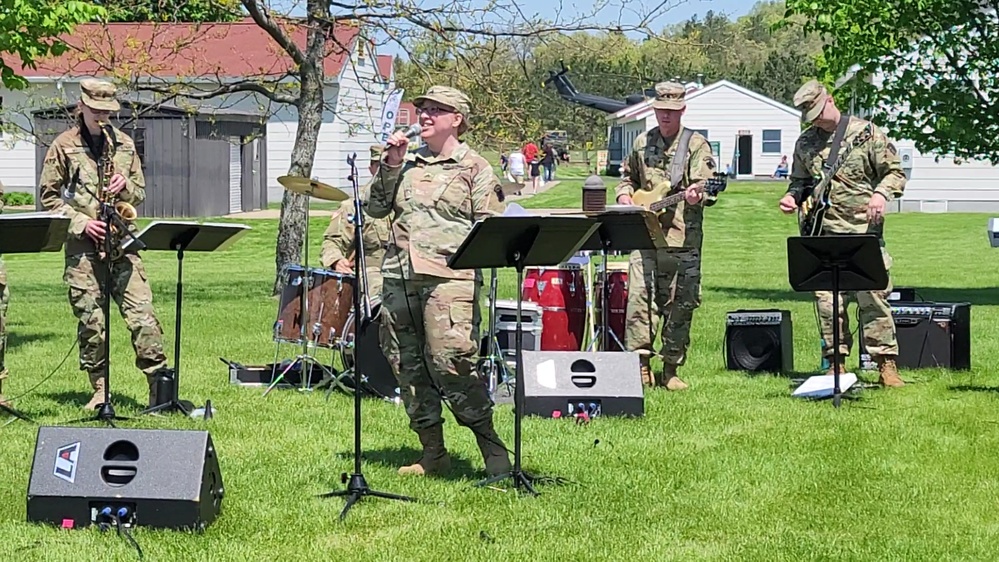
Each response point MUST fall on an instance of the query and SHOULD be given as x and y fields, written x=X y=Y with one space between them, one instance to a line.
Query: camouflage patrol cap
x=810 y=99
x=376 y=152
x=99 y=94
x=446 y=96
x=670 y=95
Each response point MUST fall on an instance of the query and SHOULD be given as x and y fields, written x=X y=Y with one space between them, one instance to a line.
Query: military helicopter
x=569 y=93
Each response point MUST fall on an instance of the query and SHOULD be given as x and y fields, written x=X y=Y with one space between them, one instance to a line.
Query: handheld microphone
x=414 y=131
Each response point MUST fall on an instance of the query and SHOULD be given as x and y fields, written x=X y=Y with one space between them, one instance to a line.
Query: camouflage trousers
x=4 y=300
x=664 y=284
x=435 y=345
x=130 y=290
x=875 y=317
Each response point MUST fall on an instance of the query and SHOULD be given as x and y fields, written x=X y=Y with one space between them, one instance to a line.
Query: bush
x=17 y=198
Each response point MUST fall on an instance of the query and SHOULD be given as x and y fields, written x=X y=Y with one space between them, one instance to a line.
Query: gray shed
x=220 y=169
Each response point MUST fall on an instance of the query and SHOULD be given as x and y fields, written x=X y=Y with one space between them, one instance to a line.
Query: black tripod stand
x=112 y=220
x=846 y=262
x=357 y=486
x=24 y=233
x=520 y=241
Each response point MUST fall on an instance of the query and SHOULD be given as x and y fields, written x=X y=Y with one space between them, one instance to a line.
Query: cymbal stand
x=305 y=360
x=492 y=363
x=604 y=333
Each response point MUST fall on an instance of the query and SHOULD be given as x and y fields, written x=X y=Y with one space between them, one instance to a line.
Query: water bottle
x=826 y=363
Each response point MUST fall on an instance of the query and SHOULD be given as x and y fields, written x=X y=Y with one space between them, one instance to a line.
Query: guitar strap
x=837 y=141
x=679 y=163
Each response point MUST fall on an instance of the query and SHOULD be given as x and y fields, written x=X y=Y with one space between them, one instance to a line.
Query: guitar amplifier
x=933 y=334
x=759 y=341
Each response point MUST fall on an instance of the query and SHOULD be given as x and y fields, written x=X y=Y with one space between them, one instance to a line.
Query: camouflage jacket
x=436 y=200
x=69 y=183
x=649 y=164
x=338 y=240
x=873 y=167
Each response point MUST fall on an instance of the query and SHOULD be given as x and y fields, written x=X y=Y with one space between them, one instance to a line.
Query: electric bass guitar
x=813 y=209
x=655 y=202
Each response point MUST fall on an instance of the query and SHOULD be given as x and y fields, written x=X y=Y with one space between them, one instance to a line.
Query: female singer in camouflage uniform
x=430 y=331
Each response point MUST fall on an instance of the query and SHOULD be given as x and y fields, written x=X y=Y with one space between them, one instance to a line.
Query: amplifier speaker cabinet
x=156 y=478
x=933 y=334
x=759 y=341
x=599 y=383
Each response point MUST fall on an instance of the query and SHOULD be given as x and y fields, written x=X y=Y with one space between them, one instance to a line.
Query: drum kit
x=316 y=310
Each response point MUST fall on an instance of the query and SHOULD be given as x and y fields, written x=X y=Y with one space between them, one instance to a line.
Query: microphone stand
x=357 y=486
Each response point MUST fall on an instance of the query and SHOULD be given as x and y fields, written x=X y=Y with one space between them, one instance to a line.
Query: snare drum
x=330 y=301
x=561 y=294
x=379 y=380
x=617 y=302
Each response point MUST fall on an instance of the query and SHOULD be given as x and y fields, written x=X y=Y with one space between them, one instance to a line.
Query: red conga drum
x=560 y=292
x=617 y=302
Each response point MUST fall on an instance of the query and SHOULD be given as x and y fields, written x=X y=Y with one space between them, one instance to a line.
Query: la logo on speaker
x=65 y=462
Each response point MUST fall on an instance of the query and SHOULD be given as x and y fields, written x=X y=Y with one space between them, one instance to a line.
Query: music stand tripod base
x=519 y=242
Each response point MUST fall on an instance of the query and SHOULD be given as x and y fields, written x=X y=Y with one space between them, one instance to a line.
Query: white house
x=748 y=132
x=209 y=56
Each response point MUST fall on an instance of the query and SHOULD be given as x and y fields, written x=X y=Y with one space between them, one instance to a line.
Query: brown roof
x=385 y=66
x=227 y=50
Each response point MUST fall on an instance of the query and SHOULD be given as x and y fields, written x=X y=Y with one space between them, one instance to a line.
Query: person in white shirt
x=515 y=166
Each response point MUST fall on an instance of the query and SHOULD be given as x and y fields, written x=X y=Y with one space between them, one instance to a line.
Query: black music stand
x=621 y=231
x=30 y=233
x=180 y=237
x=843 y=262
x=518 y=242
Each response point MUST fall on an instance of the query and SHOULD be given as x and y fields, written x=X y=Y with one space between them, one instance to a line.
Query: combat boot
x=842 y=368
x=151 y=380
x=670 y=380
x=889 y=372
x=97 y=381
x=435 y=459
x=647 y=378
x=494 y=453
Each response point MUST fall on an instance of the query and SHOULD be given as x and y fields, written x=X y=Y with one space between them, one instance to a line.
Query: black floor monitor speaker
x=599 y=383
x=156 y=478
x=759 y=341
x=933 y=334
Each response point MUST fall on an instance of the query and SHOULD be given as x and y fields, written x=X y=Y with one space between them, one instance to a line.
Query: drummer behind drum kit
x=322 y=315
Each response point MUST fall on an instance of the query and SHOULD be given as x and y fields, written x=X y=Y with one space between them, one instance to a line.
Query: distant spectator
x=548 y=161
x=516 y=164
x=781 y=171
x=530 y=151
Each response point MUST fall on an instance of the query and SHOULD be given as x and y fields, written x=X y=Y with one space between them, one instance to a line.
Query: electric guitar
x=813 y=209
x=655 y=202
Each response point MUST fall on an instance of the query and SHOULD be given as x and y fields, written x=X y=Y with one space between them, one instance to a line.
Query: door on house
x=744 y=164
x=258 y=189
x=235 y=175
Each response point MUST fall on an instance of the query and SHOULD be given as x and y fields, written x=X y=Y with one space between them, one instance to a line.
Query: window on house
x=771 y=141
x=404 y=117
x=704 y=132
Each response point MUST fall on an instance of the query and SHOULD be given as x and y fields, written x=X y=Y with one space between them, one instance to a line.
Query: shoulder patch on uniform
x=892 y=149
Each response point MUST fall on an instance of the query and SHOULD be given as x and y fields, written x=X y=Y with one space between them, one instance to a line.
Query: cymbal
x=316 y=189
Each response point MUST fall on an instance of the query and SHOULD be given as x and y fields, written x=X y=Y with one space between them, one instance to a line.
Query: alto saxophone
x=124 y=210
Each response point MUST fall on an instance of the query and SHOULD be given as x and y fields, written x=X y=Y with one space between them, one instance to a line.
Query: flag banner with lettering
x=389 y=115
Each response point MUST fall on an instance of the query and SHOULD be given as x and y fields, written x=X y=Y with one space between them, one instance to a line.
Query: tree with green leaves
x=172 y=10
x=927 y=70
x=30 y=30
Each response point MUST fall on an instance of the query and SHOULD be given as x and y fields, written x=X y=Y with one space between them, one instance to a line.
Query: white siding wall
x=725 y=111
x=358 y=118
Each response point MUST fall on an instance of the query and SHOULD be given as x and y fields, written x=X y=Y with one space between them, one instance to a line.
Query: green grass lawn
x=733 y=469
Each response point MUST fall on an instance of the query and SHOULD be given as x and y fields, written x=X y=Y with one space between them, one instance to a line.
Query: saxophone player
x=70 y=184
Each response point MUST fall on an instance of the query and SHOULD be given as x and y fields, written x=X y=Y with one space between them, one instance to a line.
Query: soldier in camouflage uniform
x=431 y=328
x=69 y=185
x=4 y=299
x=666 y=282
x=338 y=241
x=870 y=177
